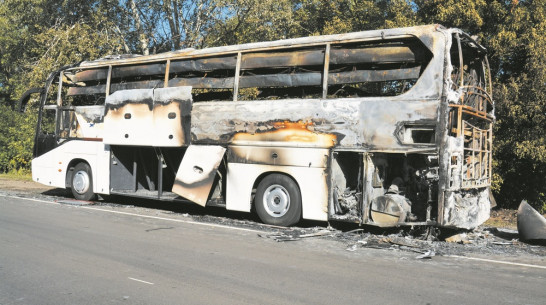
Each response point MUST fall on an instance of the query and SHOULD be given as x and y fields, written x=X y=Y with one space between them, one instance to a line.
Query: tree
x=38 y=36
x=521 y=104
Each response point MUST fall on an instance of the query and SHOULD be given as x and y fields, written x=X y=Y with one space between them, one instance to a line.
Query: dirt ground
x=503 y=218
x=22 y=185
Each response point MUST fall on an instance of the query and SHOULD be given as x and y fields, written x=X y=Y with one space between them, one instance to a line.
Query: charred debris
x=425 y=243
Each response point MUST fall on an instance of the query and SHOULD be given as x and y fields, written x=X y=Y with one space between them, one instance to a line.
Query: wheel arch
x=278 y=199
x=267 y=173
x=243 y=179
x=70 y=170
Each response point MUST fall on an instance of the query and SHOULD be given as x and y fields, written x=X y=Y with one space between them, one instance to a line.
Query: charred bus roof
x=423 y=33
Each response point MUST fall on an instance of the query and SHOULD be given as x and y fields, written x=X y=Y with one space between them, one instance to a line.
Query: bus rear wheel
x=278 y=200
x=82 y=182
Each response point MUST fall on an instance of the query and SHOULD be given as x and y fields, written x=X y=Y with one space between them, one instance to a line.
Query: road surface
x=54 y=253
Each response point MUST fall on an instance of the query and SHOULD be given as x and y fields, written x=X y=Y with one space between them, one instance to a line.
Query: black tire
x=81 y=183
x=278 y=200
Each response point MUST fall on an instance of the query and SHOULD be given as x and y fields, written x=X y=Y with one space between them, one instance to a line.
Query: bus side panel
x=311 y=181
x=101 y=180
x=356 y=123
x=47 y=170
x=51 y=168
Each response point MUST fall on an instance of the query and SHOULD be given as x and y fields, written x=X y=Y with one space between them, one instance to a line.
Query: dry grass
x=22 y=176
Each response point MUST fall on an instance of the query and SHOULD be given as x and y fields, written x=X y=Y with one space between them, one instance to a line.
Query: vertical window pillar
x=236 y=78
x=461 y=65
x=60 y=91
x=167 y=68
x=325 y=71
x=58 y=111
x=108 y=80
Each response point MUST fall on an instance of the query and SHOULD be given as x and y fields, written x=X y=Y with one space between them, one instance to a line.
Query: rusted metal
x=204 y=64
x=90 y=75
x=297 y=133
x=139 y=70
x=273 y=80
x=167 y=71
x=179 y=66
x=257 y=60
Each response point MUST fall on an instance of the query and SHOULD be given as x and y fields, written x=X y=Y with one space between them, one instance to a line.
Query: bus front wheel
x=82 y=182
x=278 y=200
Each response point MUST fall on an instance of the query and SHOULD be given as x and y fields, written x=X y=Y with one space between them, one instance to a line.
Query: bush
x=16 y=140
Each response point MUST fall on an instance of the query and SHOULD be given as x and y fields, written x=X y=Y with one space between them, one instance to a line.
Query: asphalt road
x=61 y=254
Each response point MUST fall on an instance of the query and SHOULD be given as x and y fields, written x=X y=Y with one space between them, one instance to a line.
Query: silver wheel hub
x=80 y=182
x=276 y=200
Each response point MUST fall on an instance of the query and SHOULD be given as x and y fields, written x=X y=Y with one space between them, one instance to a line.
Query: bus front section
x=424 y=156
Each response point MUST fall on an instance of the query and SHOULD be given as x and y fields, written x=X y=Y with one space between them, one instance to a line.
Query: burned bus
x=386 y=127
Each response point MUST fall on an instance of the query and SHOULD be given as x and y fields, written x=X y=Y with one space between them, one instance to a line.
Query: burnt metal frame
x=229 y=83
x=460 y=108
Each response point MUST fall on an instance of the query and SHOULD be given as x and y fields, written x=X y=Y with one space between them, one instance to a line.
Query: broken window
x=347 y=187
x=211 y=78
x=471 y=117
x=375 y=68
x=415 y=133
x=398 y=187
x=384 y=68
x=470 y=74
x=292 y=73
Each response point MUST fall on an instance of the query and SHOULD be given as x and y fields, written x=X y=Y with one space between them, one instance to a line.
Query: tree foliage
x=39 y=36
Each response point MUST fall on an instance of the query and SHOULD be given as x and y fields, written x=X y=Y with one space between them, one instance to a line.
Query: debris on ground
x=461 y=238
x=296 y=234
x=427 y=255
x=485 y=240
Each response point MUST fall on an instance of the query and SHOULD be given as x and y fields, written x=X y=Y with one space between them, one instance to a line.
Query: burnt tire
x=81 y=183
x=278 y=200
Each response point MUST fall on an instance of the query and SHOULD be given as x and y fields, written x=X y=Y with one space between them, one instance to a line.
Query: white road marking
x=140 y=281
x=30 y=199
x=497 y=262
x=146 y=216
x=174 y=220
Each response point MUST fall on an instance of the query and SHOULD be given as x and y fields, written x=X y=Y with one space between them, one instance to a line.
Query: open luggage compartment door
x=197 y=171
